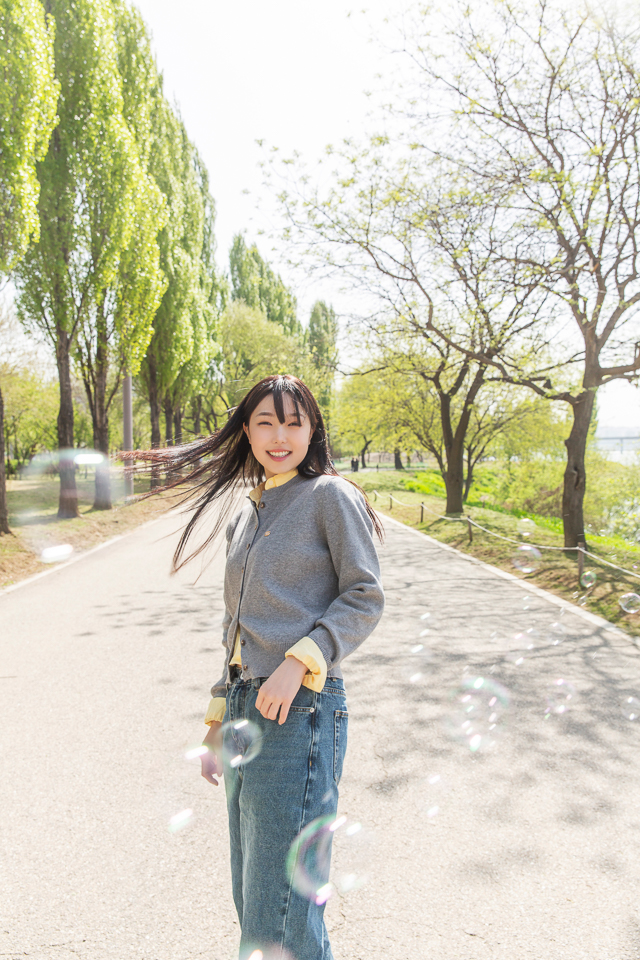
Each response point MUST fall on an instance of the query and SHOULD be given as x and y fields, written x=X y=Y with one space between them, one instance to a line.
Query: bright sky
x=294 y=74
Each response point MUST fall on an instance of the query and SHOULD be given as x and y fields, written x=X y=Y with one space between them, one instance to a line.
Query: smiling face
x=279 y=447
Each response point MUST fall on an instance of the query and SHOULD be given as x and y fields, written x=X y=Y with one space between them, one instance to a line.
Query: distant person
x=302 y=591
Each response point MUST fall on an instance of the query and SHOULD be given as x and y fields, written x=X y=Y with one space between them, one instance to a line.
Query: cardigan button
x=242 y=643
x=244 y=666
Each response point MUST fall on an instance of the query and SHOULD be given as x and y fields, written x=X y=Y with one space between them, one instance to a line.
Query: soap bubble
x=588 y=579
x=560 y=695
x=88 y=458
x=526 y=558
x=180 y=820
x=240 y=740
x=415 y=664
x=526 y=603
x=48 y=464
x=526 y=527
x=269 y=952
x=56 y=554
x=630 y=603
x=526 y=643
x=478 y=707
x=517 y=657
x=309 y=858
x=556 y=633
x=433 y=790
x=196 y=752
x=425 y=616
x=631 y=708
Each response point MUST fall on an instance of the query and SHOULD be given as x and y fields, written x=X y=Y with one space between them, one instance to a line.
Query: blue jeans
x=293 y=780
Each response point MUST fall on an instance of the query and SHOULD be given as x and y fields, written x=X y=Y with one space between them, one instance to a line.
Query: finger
x=272 y=712
x=209 y=763
x=284 y=712
x=260 y=700
x=208 y=774
x=265 y=706
x=215 y=765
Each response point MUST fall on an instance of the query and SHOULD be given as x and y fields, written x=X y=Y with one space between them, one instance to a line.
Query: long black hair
x=224 y=462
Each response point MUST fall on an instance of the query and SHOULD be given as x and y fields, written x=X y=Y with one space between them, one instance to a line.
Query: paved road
x=106 y=664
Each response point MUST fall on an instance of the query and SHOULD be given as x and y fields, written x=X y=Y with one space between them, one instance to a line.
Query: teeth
x=281 y=455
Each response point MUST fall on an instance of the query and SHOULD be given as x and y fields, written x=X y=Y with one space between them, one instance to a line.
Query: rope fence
x=580 y=551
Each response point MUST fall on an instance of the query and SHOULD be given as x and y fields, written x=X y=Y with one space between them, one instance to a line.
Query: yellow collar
x=278 y=481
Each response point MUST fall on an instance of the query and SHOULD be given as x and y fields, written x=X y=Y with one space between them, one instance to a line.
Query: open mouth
x=279 y=454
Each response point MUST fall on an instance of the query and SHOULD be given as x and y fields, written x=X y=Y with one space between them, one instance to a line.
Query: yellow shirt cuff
x=217 y=707
x=308 y=652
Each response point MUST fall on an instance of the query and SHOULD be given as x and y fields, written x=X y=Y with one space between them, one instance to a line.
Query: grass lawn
x=554 y=571
x=33 y=505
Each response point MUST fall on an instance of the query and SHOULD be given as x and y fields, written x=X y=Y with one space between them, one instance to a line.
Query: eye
x=264 y=423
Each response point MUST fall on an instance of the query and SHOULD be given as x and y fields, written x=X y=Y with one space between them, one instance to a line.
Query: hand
x=211 y=761
x=280 y=689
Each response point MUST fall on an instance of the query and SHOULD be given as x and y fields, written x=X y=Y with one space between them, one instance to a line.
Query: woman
x=302 y=591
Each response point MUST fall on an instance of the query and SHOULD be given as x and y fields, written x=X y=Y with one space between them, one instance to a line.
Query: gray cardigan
x=302 y=563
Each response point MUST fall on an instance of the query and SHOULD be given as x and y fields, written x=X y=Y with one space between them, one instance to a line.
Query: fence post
x=422 y=513
x=581 y=547
x=470 y=529
x=390 y=502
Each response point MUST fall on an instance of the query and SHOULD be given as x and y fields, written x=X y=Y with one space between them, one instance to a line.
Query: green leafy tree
x=254 y=347
x=418 y=243
x=361 y=419
x=255 y=282
x=28 y=96
x=208 y=296
x=4 y=512
x=322 y=337
x=184 y=318
x=520 y=123
x=90 y=182
x=545 y=102
x=115 y=330
x=30 y=404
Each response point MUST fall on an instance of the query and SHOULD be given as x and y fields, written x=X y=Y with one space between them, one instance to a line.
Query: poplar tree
x=182 y=324
x=90 y=181
x=4 y=512
x=254 y=282
x=205 y=307
x=28 y=95
x=322 y=336
x=116 y=330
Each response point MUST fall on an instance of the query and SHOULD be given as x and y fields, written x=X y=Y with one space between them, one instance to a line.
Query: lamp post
x=127 y=431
